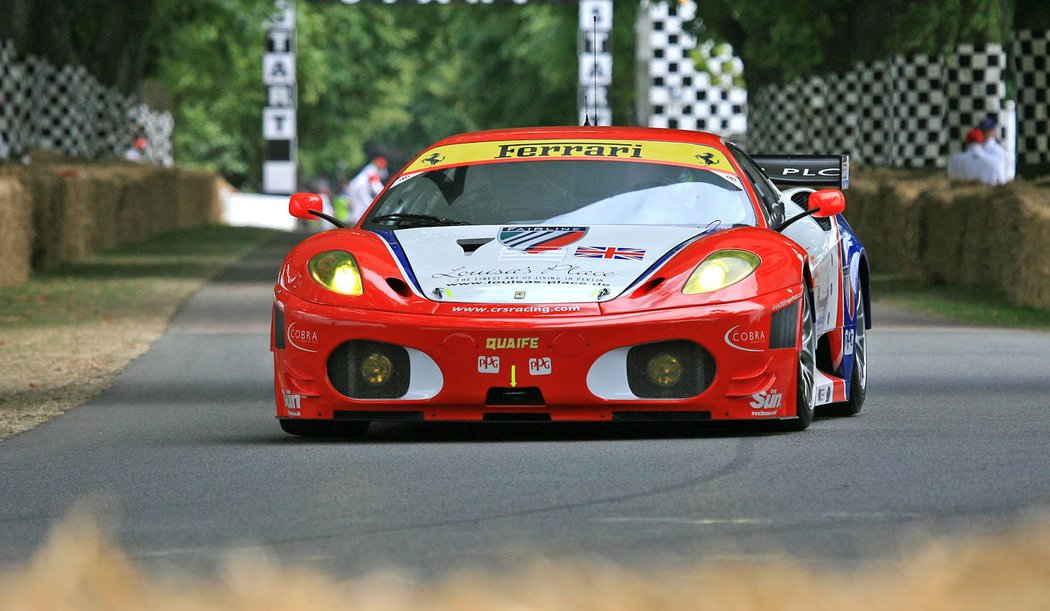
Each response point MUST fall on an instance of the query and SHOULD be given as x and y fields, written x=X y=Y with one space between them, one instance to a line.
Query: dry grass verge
x=65 y=334
x=81 y=568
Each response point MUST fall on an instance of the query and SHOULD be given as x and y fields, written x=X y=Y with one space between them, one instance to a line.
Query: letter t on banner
x=595 y=50
x=280 y=172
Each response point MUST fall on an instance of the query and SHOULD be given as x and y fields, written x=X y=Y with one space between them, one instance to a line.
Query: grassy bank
x=66 y=333
x=987 y=307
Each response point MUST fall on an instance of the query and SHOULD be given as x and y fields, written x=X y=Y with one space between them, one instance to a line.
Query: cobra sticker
x=678 y=153
x=746 y=340
x=302 y=338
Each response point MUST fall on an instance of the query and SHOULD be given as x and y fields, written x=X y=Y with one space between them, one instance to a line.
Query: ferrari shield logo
x=534 y=240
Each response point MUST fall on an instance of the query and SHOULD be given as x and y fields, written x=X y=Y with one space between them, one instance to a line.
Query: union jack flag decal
x=610 y=252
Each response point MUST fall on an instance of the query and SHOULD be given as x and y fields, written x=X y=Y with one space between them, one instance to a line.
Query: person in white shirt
x=364 y=187
x=975 y=163
x=137 y=152
x=994 y=149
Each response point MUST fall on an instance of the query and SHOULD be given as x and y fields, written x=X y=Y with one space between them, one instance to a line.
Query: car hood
x=495 y=264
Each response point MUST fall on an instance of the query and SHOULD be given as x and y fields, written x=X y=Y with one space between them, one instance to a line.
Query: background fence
x=68 y=111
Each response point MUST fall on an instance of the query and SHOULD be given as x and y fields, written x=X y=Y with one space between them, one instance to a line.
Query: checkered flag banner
x=672 y=92
x=904 y=112
x=1031 y=64
x=68 y=111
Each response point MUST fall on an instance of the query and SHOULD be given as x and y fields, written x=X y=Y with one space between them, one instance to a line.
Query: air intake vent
x=524 y=395
x=783 y=327
x=369 y=370
x=669 y=370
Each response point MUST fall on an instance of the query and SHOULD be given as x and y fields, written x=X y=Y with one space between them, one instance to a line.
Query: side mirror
x=301 y=204
x=826 y=202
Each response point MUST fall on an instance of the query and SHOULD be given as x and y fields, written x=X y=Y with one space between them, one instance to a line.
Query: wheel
x=859 y=379
x=805 y=385
x=324 y=428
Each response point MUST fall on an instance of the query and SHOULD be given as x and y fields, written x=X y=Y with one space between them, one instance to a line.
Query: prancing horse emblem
x=434 y=159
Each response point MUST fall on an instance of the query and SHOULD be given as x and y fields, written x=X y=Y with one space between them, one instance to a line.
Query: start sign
x=280 y=173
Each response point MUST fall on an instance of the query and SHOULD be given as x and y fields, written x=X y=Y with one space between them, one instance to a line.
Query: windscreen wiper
x=403 y=219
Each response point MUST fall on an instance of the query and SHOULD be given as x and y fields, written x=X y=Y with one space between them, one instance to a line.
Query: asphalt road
x=184 y=456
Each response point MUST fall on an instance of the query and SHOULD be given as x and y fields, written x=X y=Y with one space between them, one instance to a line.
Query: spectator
x=974 y=163
x=989 y=128
x=137 y=152
x=364 y=187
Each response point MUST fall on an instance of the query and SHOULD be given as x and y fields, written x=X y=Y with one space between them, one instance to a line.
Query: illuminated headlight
x=336 y=270
x=721 y=269
x=376 y=369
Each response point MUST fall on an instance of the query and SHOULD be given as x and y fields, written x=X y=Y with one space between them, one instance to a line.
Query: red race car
x=577 y=274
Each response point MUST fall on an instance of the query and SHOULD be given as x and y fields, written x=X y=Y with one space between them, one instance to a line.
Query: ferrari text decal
x=678 y=153
x=613 y=150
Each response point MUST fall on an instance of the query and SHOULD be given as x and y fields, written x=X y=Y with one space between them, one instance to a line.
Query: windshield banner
x=676 y=153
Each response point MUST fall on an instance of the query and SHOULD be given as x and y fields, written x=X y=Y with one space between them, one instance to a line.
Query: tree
x=779 y=42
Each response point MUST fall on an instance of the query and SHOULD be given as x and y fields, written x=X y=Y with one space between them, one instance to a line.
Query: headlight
x=721 y=269
x=336 y=270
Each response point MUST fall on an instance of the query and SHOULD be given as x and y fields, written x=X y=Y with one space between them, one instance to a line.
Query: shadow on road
x=488 y=432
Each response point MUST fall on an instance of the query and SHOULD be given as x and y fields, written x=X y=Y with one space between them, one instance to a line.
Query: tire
x=805 y=382
x=324 y=428
x=858 y=385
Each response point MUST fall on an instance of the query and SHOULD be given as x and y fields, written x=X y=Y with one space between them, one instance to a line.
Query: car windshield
x=586 y=192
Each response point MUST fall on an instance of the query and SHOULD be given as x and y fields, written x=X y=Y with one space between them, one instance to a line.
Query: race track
x=183 y=454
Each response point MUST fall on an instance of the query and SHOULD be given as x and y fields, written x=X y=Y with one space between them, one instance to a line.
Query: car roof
x=621 y=133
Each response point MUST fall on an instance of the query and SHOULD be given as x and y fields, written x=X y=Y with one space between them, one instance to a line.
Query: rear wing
x=806 y=170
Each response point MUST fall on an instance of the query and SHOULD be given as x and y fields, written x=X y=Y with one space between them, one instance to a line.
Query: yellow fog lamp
x=376 y=369
x=721 y=269
x=664 y=370
x=336 y=270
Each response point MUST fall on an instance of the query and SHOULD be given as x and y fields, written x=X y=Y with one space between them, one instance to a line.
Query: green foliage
x=780 y=41
x=397 y=76
x=209 y=61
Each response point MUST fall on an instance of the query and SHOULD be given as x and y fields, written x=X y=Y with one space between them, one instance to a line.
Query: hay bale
x=16 y=236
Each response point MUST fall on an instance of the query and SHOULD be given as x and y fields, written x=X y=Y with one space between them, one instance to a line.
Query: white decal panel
x=535 y=264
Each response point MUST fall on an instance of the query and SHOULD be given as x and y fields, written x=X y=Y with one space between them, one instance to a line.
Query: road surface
x=185 y=458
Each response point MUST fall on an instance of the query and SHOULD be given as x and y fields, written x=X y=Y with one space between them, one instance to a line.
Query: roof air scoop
x=469 y=245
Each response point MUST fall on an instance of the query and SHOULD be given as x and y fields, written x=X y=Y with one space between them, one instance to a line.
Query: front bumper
x=507 y=364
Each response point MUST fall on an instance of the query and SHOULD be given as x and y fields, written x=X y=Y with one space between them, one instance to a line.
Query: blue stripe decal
x=652 y=268
x=395 y=246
